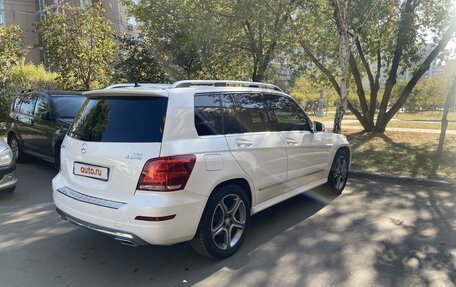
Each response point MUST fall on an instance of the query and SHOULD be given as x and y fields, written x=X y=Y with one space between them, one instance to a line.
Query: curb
x=402 y=179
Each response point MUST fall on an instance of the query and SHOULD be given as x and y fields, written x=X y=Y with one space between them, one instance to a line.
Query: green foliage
x=12 y=53
x=29 y=76
x=80 y=45
x=136 y=63
x=185 y=41
x=428 y=94
x=304 y=91
x=12 y=50
x=215 y=39
x=24 y=77
x=388 y=38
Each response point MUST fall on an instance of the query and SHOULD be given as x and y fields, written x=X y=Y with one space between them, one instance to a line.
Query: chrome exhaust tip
x=125 y=242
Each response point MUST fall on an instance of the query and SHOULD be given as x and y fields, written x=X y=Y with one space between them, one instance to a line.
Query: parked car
x=8 y=178
x=38 y=122
x=191 y=162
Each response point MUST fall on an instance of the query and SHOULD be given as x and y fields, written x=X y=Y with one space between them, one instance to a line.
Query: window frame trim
x=31 y=94
x=308 y=120
x=263 y=94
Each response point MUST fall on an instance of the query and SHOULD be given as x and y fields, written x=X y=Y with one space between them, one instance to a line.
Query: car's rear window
x=67 y=106
x=120 y=119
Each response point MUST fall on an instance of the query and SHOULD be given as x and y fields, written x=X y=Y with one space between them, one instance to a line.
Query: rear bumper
x=87 y=212
x=122 y=237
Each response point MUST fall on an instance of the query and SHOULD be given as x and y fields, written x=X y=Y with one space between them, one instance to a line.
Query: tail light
x=166 y=173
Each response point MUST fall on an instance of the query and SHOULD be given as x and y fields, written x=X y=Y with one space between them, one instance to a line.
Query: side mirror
x=46 y=116
x=318 y=127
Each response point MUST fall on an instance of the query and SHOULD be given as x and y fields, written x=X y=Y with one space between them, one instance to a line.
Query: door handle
x=291 y=141
x=243 y=143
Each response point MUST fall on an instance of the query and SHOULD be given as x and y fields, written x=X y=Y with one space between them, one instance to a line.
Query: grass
x=407 y=154
x=418 y=116
x=403 y=120
x=425 y=116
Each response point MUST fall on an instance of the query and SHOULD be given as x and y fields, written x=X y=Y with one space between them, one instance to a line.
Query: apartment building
x=26 y=14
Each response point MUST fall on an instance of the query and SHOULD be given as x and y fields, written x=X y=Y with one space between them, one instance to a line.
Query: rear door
x=308 y=152
x=109 y=142
x=260 y=152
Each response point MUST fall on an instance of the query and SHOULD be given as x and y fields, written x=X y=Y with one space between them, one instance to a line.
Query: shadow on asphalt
x=168 y=265
x=376 y=233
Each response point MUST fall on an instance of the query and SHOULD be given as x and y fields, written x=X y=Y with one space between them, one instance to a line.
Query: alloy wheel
x=228 y=221
x=340 y=173
x=14 y=148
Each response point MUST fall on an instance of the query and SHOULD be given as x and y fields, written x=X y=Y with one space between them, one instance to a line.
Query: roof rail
x=137 y=85
x=221 y=83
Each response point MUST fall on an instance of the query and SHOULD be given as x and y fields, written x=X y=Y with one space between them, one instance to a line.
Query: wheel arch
x=347 y=149
x=241 y=182
x=9 y=135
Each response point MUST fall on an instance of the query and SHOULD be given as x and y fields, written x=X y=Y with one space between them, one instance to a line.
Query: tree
x=80 y=44
x=12 y=53
x=305 y=91
x=174 y=30
x=136 y=63
x=390 y=41
x=215 y=39
x=428 y=94
x=449 y=99
x=259 y=28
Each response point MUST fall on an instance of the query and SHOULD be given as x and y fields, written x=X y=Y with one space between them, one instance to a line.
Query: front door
x=308 y=152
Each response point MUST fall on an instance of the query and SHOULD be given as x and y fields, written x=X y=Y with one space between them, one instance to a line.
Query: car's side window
x=28 y=105
x=286 y=114
x=231 y=122
x=208 y=115
x=41 y=106
x=251 y=112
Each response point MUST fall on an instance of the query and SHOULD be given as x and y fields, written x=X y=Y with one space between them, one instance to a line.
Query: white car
x=8 y=179
x=191 y=162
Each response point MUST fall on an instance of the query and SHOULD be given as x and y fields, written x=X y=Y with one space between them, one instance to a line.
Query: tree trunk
x=448 y=101
x=258 y=77
x=344 y=52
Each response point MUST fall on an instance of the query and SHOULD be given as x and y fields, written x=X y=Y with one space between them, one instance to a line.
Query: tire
x=15 y=146
x=226 y=216
x=338 y=175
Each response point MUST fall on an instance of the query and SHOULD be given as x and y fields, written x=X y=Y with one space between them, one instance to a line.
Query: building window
x=2 y=12
x=85 y=3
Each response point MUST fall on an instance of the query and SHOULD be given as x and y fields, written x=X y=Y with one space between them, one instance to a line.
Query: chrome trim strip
x=90 y=199
x=307 y=174
x=116 y=234
x=288 y=180
x=272 y=185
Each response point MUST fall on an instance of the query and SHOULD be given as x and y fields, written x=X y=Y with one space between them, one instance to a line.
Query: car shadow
x=93 y=257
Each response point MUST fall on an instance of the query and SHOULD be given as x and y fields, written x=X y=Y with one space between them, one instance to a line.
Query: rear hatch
x=109 y=142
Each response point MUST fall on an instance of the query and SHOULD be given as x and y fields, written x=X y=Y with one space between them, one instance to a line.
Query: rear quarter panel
x=215 y=163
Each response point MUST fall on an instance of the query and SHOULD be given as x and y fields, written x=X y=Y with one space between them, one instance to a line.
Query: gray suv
x=38 y=122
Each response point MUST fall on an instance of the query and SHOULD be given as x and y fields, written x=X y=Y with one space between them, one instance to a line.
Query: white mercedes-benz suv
x=192 y=161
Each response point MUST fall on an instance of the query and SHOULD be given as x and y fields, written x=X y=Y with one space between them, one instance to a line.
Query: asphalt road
x=375 y=234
